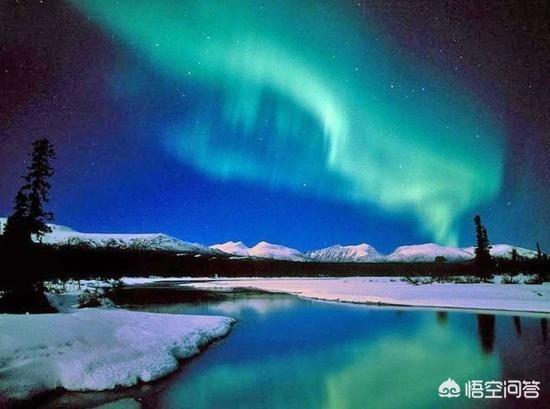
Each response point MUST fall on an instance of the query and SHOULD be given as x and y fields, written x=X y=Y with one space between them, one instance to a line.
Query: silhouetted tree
x=542 y=266
x=515 y=256
x=17 y=228
x=483 y=257
x=37 y=179
x=540 y=254
x=29 y=216
x=22 y=283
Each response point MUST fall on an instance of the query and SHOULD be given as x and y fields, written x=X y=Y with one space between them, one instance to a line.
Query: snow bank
x=67 y=295
x=96 y=349
x=153 y=279
x=385 y=290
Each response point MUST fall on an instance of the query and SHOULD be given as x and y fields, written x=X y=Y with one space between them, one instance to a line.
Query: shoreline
x=94 y=349
x=389 y=292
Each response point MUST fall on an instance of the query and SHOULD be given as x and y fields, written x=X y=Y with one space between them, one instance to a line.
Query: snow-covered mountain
x=261 y=250
x=427 y=252
x=505 y=251
x=151 y=241
x=338 y=253
x=267 y=250
x=237 y=248
x=63 y=235
x=56 y=228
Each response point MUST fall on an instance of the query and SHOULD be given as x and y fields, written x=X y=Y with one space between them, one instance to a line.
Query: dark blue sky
x=108 y=109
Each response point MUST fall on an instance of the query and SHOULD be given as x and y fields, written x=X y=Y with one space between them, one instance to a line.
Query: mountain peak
x=237 y=248
x=427 y=252
x=65 y=236
x=264 y=249
x=362 y=252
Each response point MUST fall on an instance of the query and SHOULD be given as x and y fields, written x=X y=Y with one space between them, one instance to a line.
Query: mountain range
x=261 y=250
x=365 y=253
x=62 y=235
x=65 y=236
x=338 y=253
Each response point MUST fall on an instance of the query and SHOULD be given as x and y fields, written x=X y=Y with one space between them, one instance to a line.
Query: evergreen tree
x=29 y=216
x=17 y=229
x=483 y=257
x=515 y=256
x=23 y=287
x=40 y=171
x=540 y=254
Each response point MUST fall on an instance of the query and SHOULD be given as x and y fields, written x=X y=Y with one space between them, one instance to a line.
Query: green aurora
x=310 y=97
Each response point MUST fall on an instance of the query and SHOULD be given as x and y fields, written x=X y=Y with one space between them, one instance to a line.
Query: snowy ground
x=394 y=291
x=96 y=349
x=67 y=295
x=101 y=348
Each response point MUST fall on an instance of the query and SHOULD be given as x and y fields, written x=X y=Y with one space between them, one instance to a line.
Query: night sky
x=306 y=123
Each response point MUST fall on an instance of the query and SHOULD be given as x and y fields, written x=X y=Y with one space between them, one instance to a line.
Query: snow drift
x=393 y=291
x=96 y=349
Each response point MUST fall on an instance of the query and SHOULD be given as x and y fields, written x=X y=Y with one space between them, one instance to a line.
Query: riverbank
x=395 y=291
x=96 y=349
x=292 y=352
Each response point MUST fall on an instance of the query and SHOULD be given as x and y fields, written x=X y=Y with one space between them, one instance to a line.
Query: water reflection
x=401 y=370
x=486 y=330
x=285 y=352
x=517 y=325
x=382 y=368
x=441 y=317
x=293 y=353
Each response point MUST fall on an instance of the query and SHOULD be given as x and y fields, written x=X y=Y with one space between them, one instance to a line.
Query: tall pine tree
x=17 y=229
x=29 y=216
x=540 y=254
x=483 y=257
x=37 y=179
x=515 y=256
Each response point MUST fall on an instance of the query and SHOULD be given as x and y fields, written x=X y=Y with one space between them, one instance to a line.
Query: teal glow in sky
x=310 y=97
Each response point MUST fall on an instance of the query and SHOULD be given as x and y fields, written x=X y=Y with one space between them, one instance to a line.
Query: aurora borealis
x=311 y=102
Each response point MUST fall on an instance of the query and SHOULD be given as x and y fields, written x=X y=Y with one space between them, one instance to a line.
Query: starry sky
x=307 y=123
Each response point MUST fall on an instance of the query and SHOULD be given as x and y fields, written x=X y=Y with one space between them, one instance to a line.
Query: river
x=288 y=352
